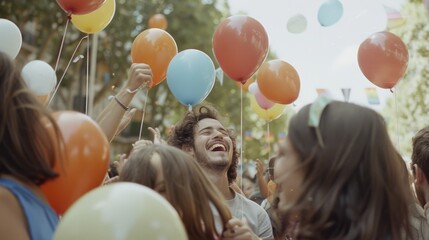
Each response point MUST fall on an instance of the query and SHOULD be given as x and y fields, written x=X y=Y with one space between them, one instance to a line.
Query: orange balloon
x=158 y=21
x=85 y=163
x=279 y=81
x=383 y=59
x=240 y=45
x=156 y=48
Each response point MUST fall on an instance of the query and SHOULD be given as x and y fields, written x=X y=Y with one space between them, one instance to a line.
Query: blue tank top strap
x=41 y=219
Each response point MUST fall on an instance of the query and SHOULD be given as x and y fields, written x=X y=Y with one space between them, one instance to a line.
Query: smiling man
x=202 y=134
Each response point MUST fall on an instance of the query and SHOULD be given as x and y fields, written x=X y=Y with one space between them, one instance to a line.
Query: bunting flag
x=270 y=137
x=248 y=135
x=323 y=92
x=372 y=96
x=346 y=93
x=281 y=136
x=394 y=18
x=219 y=75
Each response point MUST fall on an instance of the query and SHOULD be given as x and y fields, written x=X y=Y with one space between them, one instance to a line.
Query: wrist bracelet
x=120 y=103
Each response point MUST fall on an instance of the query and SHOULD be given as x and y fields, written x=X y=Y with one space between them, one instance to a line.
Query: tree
x=407 y=110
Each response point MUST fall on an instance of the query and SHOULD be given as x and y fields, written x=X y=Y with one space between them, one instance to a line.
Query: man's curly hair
x=183 y=134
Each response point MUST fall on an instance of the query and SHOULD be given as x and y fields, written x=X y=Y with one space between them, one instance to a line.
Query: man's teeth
x=218 y=145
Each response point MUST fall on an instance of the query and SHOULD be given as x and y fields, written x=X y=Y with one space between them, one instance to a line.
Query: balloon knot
x=69 y=16
x=391 y=90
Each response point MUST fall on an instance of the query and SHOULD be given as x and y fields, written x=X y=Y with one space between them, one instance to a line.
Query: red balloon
x=279 y=81
x=85 y=160
x=80 y=6
x=240 y=45
x=383 y=59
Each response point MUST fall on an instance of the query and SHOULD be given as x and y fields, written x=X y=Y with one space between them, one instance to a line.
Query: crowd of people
x=336 y=176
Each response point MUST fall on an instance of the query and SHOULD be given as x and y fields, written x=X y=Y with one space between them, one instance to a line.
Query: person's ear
x=420 y=177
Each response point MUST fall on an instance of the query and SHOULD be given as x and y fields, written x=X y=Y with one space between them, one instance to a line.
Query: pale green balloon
x=121 y=211
x=297 y=24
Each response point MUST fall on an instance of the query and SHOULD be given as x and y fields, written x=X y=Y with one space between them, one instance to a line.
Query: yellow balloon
x=97 y=20
x=121 y=211
x=271 y=113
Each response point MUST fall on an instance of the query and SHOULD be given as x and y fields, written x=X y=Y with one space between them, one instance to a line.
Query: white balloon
x=253 y=88
x=40 y=77
x=11 y=38
x=297 y=24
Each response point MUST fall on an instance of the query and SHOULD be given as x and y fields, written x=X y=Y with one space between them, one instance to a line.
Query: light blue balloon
x=330 y=12
x=191 y=76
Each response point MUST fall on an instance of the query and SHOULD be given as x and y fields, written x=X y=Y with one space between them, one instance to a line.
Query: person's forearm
x=263 y=188
x=112 y=114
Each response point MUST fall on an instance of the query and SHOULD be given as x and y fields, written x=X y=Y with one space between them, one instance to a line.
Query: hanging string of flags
x=370 y=92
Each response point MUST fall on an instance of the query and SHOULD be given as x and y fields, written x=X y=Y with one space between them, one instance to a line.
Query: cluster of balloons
x=89 y=16
x=383 y=59
x=328 y=14
x=121 y=211
x=240 y=45
x=262 y=106
x=190 y=74
x=39 y=75
x=96 y=20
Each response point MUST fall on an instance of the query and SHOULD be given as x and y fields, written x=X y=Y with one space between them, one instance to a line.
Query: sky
x=325 y=57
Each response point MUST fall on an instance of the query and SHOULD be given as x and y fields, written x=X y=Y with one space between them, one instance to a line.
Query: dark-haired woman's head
x=340 y=175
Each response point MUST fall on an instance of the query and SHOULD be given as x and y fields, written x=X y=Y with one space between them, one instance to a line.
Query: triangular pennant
x=346 y=93
x=219 y=75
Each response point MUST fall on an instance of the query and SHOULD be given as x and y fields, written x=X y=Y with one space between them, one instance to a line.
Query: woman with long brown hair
x=340 y=177
x=27 y=156
x=178 y=177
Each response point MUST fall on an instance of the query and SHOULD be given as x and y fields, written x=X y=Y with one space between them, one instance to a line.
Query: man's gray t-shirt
x=257 y=218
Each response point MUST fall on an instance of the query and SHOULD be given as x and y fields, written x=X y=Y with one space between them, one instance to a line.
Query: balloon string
x=65 y=71
x=87 y=75
x=144 y=111
x=241 y=147
x=396 y=117
x=268 y=139
x=62 y=42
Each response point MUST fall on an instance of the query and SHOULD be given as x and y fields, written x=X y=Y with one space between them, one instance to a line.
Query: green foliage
x=408 y=110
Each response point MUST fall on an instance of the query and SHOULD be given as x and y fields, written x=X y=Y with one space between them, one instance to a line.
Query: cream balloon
x=11 y=38
x=40 y=77
x=297 y=24
x=121 y=211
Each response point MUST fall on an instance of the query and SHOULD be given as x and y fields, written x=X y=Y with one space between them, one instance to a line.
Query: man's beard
x=205 y=162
